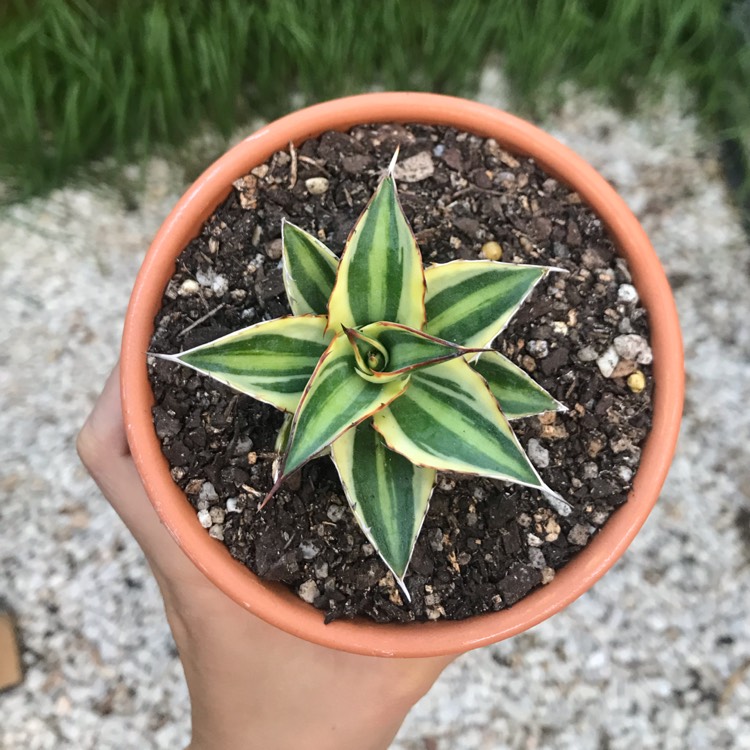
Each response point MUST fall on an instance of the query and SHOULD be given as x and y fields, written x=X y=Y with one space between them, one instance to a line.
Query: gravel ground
x=668 y=664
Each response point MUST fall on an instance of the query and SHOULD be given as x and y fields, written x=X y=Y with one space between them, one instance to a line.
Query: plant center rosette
x=386 y=365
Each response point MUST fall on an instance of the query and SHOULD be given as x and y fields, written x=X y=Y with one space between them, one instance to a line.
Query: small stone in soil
x=587 y=354
x=415 y=169
x=590 y=470
x=607 y=362
x=578 y=535
x=538 y=349
x=627 y=293
x=637 y=381
x=435 y=537
x=274 y=250
x=492 y=250
x=217 y=532
x=536 y=558
x=208 y=492
x=309 y=591
x=188 y=287
x=316 y=185
x=634 y=347
x=547 y=575
x=308 y=549
x=538 y=454
x=625 y=473
x=335 y=512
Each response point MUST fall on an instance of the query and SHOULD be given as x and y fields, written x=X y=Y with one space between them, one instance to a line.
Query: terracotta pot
x=274 y=602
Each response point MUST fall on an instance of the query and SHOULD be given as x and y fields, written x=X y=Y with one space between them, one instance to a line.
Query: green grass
x=84 y=79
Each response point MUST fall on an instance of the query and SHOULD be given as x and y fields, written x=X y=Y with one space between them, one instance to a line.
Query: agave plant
x=385 y=364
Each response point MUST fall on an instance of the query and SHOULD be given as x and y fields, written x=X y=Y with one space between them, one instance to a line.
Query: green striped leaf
x=271 y=361
x=380 y=275
x=408 y=349
x=448 y=420
x=388 y=494
x=517 y=393
x=471 y=301
x=282 y=436
x=309 y=271
x=335 y=399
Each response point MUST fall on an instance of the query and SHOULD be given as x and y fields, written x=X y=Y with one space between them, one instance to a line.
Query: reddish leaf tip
x=272 y=491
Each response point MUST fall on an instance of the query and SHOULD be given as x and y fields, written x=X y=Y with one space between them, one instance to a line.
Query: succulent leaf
x=449 y=420
x=335 y=399
x=408 y=349
x=387 y=493
x=517 y=393
x=309 y=271
x=470 y=302
x=380 y=276
x=270 y=361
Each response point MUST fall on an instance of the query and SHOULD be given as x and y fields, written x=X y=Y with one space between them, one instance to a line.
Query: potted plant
x=365 y=346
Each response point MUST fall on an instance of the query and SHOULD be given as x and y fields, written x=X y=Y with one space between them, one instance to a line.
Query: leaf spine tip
x=394 y=159
x=403 y=588
x=168 y=357
x=272 y=492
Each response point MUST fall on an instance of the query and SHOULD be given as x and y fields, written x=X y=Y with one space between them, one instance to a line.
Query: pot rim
x=275 y=603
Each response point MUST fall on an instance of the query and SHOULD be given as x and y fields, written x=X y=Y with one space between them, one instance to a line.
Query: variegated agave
x=384 y=364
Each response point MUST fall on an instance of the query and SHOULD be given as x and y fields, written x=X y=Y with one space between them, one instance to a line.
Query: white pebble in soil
x=208 y=493
x=233 y=505
x=415 y=169
x=607 y=362
x=536 y=558
x=578 y=535
x=627 y=293
x=309 y=549
x=538 y=348
x=189 y=287
x=635 y=348
x=538 y=454
x=309 y=591
x=316 y=185
x=588 y=354
x=335 y=512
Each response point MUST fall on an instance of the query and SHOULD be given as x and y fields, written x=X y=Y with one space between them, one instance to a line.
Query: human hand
x=251 y=685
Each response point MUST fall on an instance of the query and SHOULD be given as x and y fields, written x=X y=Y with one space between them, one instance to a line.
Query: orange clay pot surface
x=275 y=603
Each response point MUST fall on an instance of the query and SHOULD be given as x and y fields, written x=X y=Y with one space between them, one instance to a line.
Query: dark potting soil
x=485 y=544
